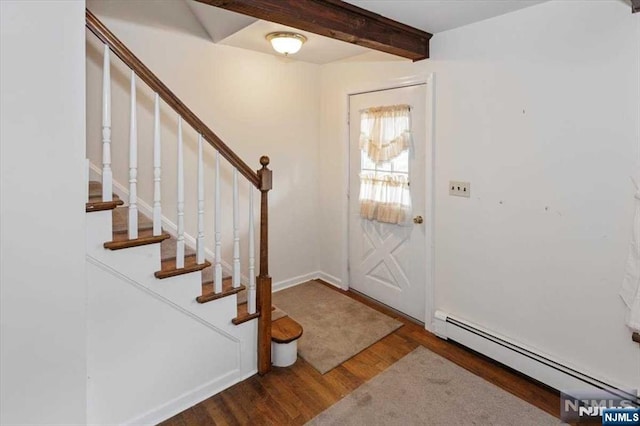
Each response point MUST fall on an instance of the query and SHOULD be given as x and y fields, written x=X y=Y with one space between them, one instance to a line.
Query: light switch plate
x=459 y=188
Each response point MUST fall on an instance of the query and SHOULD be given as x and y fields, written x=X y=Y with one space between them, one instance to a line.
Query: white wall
x=42 y=151
x=539 y=110
x=257 y=103
x=168 y=358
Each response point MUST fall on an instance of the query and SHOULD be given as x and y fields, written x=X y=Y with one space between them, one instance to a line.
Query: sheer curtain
x=385 y=199
x=384 y=132
x=384 y=183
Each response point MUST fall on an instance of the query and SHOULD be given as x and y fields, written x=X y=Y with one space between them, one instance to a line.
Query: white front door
x=388 y=261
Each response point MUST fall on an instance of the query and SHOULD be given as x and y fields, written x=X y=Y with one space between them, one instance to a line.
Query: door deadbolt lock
x=418 y=219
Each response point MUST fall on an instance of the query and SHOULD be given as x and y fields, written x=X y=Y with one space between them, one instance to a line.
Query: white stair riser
x=98 y=230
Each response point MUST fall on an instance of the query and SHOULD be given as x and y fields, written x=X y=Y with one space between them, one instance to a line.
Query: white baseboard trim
x=189 y=399
x=294 y=281
x=336 y=282
x=300 y=279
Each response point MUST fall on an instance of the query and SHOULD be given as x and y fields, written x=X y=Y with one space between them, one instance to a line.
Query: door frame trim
x=429 y=80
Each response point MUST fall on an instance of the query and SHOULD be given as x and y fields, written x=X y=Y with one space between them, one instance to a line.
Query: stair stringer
x=135 y=266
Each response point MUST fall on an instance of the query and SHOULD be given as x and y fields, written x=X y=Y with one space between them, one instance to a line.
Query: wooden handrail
x=145 y=74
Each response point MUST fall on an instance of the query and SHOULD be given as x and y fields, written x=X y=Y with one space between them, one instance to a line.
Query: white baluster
x=157 y=169
x=200 y=239
x=180 y=243
x=217 y=287
x=236 y=233
x=251 y=294
x=133 y=164
x=107 y=174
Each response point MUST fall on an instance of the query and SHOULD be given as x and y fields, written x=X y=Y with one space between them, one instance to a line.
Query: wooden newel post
x=264 y=280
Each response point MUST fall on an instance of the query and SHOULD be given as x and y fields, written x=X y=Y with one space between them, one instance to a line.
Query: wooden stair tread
x=95 y=203
x=120 y=229
x=244 y=315
x=168 y=267
x=122 y=241
x=285 y=330
x=120 y=219
x=227 y=290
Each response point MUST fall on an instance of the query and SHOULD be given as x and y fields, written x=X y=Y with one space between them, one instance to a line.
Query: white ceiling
x=432 y=16
x=219 y=23
x=317 y=49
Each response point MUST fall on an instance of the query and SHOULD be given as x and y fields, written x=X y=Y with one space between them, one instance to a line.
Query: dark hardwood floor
x=294 y=395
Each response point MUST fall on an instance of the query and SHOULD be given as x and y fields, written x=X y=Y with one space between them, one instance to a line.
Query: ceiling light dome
x=285 y=42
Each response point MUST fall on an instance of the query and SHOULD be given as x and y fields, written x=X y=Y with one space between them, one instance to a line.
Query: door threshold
x=395 y=311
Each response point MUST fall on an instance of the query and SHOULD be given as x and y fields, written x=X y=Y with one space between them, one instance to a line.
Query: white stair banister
x=133 y=163
x=157 y=169
x=236 y=233
x=180 y=201
x=107 y=174
x=251 y=292
x=217 y=283
x=200 y=239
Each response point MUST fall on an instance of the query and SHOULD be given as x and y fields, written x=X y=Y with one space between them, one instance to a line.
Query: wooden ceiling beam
x=338 y=20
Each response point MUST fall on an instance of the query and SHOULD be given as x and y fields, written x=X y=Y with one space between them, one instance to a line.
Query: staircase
x=130 y=242
x=168 y=254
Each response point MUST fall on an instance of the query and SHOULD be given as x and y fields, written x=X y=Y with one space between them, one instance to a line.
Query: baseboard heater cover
x=525 y=360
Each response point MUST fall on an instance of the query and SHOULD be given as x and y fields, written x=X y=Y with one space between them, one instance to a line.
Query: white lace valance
x=385 y=198
x=384 y=132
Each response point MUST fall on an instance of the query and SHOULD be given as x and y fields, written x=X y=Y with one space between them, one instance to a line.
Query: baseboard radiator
x=525 y=360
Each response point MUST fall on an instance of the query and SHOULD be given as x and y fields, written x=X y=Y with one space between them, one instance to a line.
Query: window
x=385 y=141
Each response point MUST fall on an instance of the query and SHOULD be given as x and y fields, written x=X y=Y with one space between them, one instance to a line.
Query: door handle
x=418 y=219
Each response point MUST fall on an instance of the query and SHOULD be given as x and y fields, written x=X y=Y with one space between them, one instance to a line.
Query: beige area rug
x=425 y=389
x=336 y=327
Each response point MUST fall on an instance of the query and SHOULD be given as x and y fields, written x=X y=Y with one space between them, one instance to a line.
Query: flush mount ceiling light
x=285 y=42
